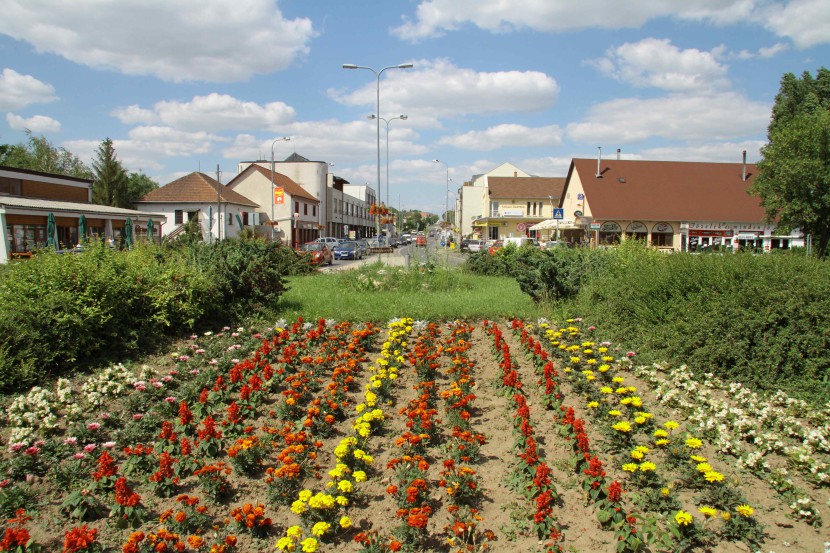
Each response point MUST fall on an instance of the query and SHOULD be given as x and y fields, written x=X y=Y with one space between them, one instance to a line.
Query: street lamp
x=282 y=139
x=378 y=74
x=387 y=121
x=447 y=193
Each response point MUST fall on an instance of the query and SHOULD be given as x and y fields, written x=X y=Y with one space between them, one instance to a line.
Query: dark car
x=347 y=250
x=318 y=251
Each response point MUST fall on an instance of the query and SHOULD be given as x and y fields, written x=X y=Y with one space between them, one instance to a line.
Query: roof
x=44 y=174
x=525 y=187
x=195 y=188
x=291 y=188
x=668 y=190
x=73 y=207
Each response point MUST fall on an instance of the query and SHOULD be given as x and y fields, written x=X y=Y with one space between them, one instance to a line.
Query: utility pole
x=218 y=206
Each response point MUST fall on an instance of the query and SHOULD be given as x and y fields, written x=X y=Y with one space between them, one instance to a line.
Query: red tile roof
x=195 y=188
x=668 y=190
x=525 y=187
x=291 y=188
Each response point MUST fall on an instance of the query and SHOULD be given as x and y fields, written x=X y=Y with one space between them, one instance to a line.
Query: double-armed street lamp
x=281 y=139
x=377 y=75
x=402 y=117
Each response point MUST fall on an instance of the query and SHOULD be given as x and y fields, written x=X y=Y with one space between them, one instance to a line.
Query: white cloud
x=185 y=40
x=763 y=53
x=435 y=17
x=437 y=88
x=720 y=116
x=214 y=112
x=724 y=152
x=18 y=91
x=805 y=22
x=505 y=135
x=546 y=166
x=37 y=124
x=658 y=63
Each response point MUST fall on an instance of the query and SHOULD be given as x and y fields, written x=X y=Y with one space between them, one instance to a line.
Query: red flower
x=79 y=539
x=106 y=467
x=124 y=495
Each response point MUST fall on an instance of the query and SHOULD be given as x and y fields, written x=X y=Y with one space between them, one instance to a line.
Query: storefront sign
x=610 y=226
x=595 y=226
x=512 y=212
x=723 y=233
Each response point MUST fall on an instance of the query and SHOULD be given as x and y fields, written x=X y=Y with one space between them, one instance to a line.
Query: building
x=29 y=199
x=288 y=212
x=199 y=196
x=507 y=202
x=671 y=205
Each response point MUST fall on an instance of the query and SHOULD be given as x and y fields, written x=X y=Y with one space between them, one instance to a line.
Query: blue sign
x=580 y=196
x=558 y=213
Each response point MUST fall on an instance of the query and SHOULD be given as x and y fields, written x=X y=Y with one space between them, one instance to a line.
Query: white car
x=329 y=241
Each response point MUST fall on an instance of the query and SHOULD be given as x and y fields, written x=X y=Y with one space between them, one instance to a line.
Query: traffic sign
x=558 y=213
x=521 y=227
x=580 y=196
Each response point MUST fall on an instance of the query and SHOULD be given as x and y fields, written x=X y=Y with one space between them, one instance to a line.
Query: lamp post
x=285 y=139
x=387 y=121
x=377 y=75
x=447 y=193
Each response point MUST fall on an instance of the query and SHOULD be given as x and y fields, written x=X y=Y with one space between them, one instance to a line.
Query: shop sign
x=595 y=226
x=662 y=227
x=710 y=233
x=520 y=227
x=637 y=227
x=610 y=226
x=512 y=212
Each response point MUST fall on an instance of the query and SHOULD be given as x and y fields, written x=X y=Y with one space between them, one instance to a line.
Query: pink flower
x=79 y=456
x=104 y=416
x=182 y=358
x=138 y=417
x=174 y=372
x=234 y=361
x=257 y=335
x=170 y=399
x=592 y=328
x=235 y=334
x=194 y=372
x=108 y=445
x=71 y=441
x=17 y=446
x=199 y=351
x=630 y=354
x=32 y=451
x=193 y=337
x=4 y=483
x=158 y=385
x=224 y=328
x=93 y=426
x=166 y=378
x=89 y=448
x=140 y=385
x=213 y=362
x=39 y=443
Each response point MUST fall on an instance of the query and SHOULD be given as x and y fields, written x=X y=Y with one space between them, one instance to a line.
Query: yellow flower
x=294 y=532
x=622 y=426
x=635 y=400
x=368 y=459
x=683 y=518
x=638 y=455
x=574 y=359
x=660 y=433
x=341 y=500
x=309 y=545
x=621 y=392
x=618 y=380
x=693 y=443
x=606 y=390
x=704 y=467
x=648 y=466
x=593 y=405
x=665 y=492
x=320 y=528
x=671 y=425
x=344 y=486
x=345 y=522
x=697 y=458
x=305 y=495
x=713 y=476
x=298 y=507
x=614 y=413
x=630 y=467
x=745 y=510
x=604 y=368
x=707 y=511
x=641 y=449
x=359 y=476
x=725 y=515
x=661 y=442
x=640 y=420
x=285 y=544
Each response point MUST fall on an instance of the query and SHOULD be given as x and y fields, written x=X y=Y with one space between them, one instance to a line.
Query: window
x=245 y=218
x=662 y=235
x=179 y=217
x=11 y=186
x=314 y=211
x=296 y=207
x=26 y=238
x=305 y=209
x=609 y=233
x=192 y=215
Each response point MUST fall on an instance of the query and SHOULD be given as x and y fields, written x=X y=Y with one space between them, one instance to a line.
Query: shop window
x=610 y=233
x=178 y=217
x=662 y=235
x=636 y=231
x=27 y=238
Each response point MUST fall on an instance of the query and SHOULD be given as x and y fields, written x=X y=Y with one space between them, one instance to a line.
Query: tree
x=138 y=186
x=111 y=182
x=793 y=179
x=38 y=154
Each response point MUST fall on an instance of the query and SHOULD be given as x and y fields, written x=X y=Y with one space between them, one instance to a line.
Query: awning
x=552 y=224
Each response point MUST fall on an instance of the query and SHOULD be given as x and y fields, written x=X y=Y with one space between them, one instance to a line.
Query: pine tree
x=111 y=182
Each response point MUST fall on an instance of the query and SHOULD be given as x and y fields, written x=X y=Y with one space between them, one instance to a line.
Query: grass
x=377 y=292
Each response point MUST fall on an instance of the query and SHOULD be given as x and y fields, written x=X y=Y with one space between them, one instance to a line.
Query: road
x=417 y=256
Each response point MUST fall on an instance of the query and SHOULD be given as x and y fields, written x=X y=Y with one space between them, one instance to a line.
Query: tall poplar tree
x=111 y=182
x=794 y=173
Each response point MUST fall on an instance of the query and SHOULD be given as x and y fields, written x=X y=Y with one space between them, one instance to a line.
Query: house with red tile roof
x=292 y=214
x=671 y=205
x=221 y=212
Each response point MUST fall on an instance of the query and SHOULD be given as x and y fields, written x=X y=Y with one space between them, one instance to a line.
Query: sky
x=186 y=85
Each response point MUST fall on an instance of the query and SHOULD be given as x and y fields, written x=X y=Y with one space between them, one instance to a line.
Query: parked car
x=329 y=241
x=421 y=240
x=347 y=250
x=467 y=242
x=319 y=252
x=497 y=245
x=475 y=246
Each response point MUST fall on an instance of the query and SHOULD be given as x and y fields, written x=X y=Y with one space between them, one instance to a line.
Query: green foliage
x=111 y=182
x=794 y=174
x=138 y=186
x=40 y=155
x=757 y=319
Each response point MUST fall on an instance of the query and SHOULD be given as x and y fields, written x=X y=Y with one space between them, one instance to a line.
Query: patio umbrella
x=51 y=229
x=150 y=230
x=82 y=228
x=128 y=232
x=239 y=221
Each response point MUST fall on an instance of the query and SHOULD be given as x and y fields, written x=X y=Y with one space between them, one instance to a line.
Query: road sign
x=595 y=226
x=580 y=196
x=558 y=213
x=520 y=227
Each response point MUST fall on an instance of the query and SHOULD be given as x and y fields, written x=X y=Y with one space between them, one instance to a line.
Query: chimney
x=599 y=159
x=743 y=175
x=618 y=153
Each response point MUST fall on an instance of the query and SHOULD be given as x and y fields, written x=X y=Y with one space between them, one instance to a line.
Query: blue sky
x=184 y=84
